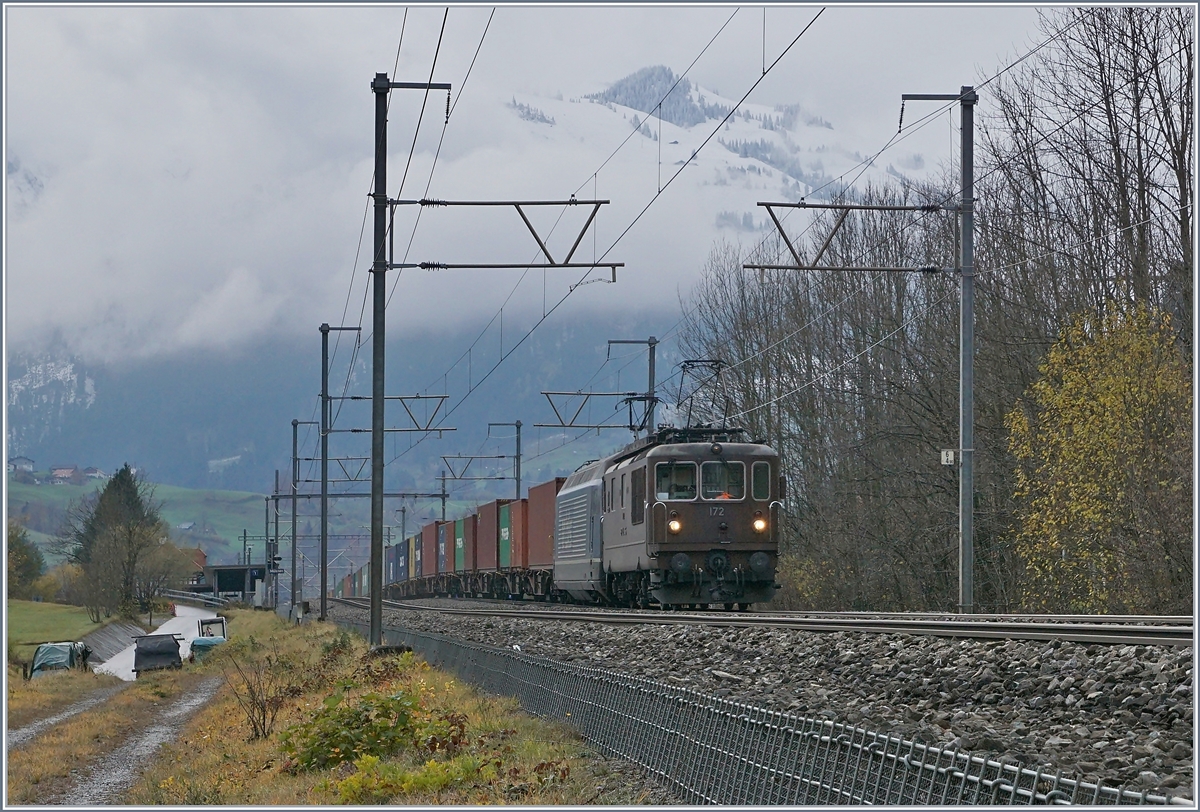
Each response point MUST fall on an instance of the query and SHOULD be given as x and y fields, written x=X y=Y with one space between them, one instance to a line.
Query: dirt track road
x=107 y=779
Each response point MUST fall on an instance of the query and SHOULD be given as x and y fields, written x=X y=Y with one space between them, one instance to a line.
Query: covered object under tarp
x=155 y=651
x=58 y=657
x=203 y=645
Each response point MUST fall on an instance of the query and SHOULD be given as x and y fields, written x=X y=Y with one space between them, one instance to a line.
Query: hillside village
x=24 y=469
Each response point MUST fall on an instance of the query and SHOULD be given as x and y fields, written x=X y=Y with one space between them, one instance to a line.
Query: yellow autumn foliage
x=1103 y=483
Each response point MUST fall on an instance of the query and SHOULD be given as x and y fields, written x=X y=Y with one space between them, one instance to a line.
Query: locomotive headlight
x=759 y=524
x=674 y=525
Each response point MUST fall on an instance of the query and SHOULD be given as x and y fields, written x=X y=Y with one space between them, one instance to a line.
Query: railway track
x=1105 y=630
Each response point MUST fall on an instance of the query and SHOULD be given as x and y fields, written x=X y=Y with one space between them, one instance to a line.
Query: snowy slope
x=540 y=147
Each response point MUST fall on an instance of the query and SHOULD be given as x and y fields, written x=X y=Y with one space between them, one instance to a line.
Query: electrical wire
x=924 y=308
x=424 y=101
x=592 y=177
x=420 y=209
x=658 y=106
x=621 y=236
x=863 y=165
x=358 y=253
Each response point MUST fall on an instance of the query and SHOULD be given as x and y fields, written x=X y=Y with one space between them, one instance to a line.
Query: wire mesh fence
x=717 y=751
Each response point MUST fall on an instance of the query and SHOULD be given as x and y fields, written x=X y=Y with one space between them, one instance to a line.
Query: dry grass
x=505 y=756
x=49 y=764
x=31 y=700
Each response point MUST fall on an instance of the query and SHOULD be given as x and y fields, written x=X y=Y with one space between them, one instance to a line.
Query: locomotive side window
x=638 y=484
x=622 y=491
x=723 y=480
x=675 y=480
x=760 y=484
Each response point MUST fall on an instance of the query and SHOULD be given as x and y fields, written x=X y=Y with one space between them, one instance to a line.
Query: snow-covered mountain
x=778 y=153
x=679 y=176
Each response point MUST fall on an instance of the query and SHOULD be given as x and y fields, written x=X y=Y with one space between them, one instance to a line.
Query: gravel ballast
x=1121 y=714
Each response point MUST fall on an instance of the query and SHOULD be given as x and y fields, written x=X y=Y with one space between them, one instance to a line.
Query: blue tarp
x=203 y=645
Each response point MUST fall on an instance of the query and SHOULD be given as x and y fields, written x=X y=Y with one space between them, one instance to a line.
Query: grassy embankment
x=31 y=623
x=349 y=728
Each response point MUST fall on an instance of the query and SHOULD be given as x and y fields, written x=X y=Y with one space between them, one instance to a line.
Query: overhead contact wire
x=621 y=236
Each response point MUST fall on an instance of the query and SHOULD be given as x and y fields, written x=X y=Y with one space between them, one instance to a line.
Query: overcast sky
x=196 y=177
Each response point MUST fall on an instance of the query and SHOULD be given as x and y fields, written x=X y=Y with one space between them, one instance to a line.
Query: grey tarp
x=58 y=656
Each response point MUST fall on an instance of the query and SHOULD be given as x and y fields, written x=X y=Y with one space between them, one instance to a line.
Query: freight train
x=683 y=518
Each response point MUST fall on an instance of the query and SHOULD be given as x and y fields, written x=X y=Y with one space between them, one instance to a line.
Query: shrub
x=260 y=683
x=374 y=725
x=376 y=782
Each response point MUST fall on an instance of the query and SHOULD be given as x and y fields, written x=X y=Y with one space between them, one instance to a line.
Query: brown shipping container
x=518 y=513
x=469 y=525
x=487 y=536
x=542 y=499
x=429 y=549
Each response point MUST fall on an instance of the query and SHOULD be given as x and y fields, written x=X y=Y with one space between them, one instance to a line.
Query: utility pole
x=443 y=478
x=295 y=476
x=966 y=416
x=325 y=328
x=276 y=535
x=967 y=97
x=267 y=544
x=381 y=86
x=651 y=343
x=295 y=490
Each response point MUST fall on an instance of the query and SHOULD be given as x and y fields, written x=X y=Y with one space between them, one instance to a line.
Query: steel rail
x=1100 y=633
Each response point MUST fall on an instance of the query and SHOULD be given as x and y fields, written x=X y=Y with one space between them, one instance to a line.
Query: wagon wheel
x=643 y=594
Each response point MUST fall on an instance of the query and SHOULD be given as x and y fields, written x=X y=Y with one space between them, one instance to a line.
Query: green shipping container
x=459 y=546
x=505 y=537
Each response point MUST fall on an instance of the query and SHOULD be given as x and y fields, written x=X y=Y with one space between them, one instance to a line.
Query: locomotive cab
x=714 y=523
x=688 y=517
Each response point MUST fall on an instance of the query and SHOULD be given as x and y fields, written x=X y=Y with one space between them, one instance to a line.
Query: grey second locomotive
x=684 y=517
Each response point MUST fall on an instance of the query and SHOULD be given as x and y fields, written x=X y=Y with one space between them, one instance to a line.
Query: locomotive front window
x=723 y=480
x=760 y=485
x=675 y=480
